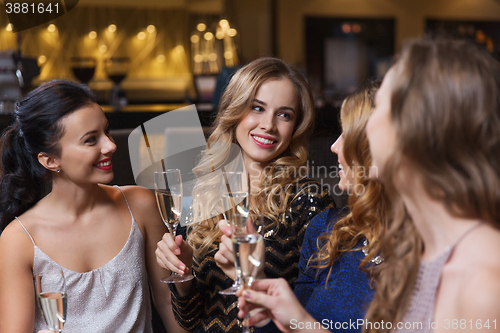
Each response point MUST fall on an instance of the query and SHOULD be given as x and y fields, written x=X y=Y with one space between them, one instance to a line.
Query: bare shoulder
x=142 y=203
x=138 y=195
x=15 y=234
x=16 y=247
x=479 y=299
x=16 y=280
x=479 y=295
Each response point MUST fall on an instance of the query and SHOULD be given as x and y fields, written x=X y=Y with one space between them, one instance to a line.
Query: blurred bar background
x=164 y=53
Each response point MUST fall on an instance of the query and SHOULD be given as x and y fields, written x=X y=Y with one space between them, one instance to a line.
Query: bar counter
x=134 y=115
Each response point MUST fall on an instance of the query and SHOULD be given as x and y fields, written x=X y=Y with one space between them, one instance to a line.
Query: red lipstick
x=104 y=165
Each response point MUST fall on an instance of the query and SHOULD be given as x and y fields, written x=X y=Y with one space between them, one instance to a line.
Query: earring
x=58 y=170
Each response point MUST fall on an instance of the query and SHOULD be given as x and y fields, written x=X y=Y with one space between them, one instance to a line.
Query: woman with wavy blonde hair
x=435 y=138
x=267 y=111
x=339 y=246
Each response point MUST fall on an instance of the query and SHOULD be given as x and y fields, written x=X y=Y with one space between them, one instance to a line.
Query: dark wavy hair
x=36 y=128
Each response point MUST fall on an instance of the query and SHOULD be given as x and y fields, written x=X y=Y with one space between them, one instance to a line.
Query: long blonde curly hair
x=369 y=208
x=272 y=197
x=445 y=108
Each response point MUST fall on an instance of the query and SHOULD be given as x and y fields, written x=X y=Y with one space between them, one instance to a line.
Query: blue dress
x=343 y=301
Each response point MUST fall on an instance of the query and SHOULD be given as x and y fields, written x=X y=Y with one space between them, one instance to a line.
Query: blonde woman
x=267 y=110
x=333 y=289
x=435 y=138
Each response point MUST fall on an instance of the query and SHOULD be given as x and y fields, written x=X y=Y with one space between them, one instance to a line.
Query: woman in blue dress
x=333 y=290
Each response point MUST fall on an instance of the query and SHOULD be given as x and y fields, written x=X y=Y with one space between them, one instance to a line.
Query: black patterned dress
x=205 y=310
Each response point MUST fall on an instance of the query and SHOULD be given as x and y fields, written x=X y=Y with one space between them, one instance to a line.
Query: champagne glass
x=168 y=192
x=235 y=189
x=249 y=250
x=51 y=291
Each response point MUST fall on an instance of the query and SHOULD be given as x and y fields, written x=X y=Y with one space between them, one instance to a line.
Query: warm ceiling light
x=212 y=57
x=51 y=28
x=224 y=23
x=160 y=58
x=208 y=36
x=346 y=28
x=228 y=54
x=198 y=58
x=103 y=48
x=112 y=28
x=42 y=59
x=151 y=28
x=219 y=34
x=195 y=39
x=92 y=35
x=232 y=32
x=201 y=26
x=9 y=27
x=179 y=48
x=141 y=35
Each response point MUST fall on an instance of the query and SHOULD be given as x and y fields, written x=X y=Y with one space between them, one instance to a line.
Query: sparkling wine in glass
x=168 y=192
x=249 y=249
x=235 y=194
x=51 y=291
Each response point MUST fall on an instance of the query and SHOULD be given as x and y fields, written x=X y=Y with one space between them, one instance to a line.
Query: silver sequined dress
x=111 y=298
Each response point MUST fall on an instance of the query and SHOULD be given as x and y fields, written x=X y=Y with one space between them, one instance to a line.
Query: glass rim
x=168 y=170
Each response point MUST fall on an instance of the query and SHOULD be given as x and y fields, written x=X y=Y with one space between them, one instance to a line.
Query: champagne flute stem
x=246 y=320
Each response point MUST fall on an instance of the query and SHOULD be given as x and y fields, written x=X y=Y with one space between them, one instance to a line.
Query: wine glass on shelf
x=83 y=68
x=51 y=291
x=168 y=192
x=116 y=68
x=249 y=249
x=235 y=194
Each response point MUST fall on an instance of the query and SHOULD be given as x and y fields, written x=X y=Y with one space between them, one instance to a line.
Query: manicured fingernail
x=177 y=251
x=182 y=267
x=246 y=294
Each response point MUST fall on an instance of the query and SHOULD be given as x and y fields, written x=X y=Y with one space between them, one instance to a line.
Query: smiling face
x=380 y=128
x=266 y=130
x=86 y=146
x=346 y=174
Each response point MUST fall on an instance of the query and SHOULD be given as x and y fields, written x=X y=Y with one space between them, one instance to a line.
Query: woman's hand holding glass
x=174 y=254
x=277 y=302
x=168 y=191
x=224 y=257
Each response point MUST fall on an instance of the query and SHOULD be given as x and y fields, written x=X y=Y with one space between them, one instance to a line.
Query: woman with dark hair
x=57 y=214
x=267 y=110
x=435 y=139
x=333 y=289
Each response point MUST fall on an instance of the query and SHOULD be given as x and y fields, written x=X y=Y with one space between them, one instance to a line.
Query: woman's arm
x=187 y=300
x=143 y=205
x=279 y=304
x=17 y=291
